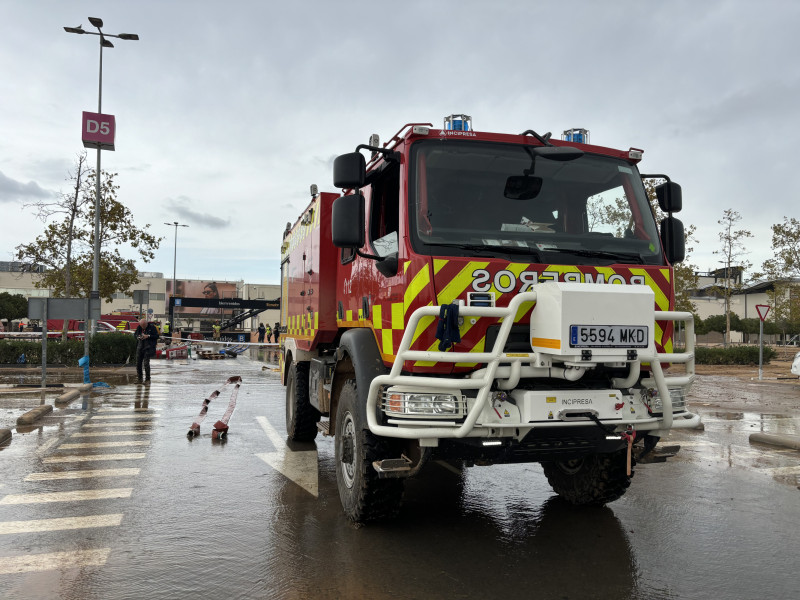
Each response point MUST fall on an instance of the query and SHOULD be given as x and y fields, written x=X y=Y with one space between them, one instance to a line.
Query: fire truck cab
x=484 y=298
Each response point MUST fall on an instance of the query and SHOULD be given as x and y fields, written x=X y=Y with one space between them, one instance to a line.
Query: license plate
x=608 y=336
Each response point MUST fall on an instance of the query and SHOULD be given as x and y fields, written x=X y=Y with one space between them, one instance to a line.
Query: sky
x=227 y=112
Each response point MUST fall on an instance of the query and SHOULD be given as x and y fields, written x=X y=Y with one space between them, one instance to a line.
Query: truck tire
x=596 y=479
x=301 y=417
x=364 y=495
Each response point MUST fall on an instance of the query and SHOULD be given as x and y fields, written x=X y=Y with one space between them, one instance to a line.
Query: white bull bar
x=493 y=360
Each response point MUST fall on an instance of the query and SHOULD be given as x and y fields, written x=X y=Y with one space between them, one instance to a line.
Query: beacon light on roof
x=576 y=134
x=458 y=123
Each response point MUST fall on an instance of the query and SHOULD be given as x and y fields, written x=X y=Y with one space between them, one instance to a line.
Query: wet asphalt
x=107 y=498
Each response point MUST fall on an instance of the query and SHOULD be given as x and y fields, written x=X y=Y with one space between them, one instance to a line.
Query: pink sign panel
x=98 y=131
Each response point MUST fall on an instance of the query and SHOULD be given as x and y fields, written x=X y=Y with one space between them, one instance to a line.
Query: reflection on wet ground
x=201 y=518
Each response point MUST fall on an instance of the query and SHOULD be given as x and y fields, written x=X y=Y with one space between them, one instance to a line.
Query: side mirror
x=347 y=221
x=672 y=239
x=670 y=197
x=349 y=170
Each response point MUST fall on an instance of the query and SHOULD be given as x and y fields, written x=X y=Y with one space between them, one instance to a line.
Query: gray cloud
x=180 y=207
x=12 y=190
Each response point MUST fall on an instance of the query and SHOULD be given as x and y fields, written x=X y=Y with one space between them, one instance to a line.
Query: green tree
x=12 y=306
x=786 y=250
x=733 y=251
x=75 y=230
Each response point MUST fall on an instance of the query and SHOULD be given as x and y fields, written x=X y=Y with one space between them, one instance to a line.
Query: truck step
x=659 y=455
x=392 y=465
x=324 y=427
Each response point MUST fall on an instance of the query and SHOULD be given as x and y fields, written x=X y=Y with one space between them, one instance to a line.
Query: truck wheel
x=301 y=417
x=596 y=479
x=364 y=495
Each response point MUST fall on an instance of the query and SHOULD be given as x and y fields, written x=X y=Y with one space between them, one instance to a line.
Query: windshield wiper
x=623 y=256
x=492 y=248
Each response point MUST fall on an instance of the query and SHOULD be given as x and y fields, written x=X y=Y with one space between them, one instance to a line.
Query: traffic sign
x=762 y=309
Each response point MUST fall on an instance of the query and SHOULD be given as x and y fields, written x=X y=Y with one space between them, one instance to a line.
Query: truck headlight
x=397 y=402
x=677 y=395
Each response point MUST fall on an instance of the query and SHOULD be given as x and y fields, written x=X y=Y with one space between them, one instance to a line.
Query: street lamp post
x=174 y=224
x=104 y=43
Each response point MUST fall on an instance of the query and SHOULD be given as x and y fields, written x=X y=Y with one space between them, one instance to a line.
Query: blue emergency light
x=458 y=123
x=576 y=134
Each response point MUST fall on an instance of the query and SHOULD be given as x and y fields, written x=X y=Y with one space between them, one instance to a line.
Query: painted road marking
x=54 y=561
x=119 y=444
x=46 y=446
x=111 y=433
x=73 y=496
x=126 y=424
x=60 y=524
x=117 y=417
x=93 y=457
x=784 y=470
x=301 y=467
x=83 y=474
x=128 y=409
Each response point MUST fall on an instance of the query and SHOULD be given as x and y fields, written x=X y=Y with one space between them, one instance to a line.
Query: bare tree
x=732 y=249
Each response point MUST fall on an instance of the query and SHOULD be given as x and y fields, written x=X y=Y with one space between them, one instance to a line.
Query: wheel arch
x=359 y=358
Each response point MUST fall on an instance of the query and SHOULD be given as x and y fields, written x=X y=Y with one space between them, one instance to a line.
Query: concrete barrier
x=5 y=435
x=774 y=439
x=70 y=395
x=32 y=415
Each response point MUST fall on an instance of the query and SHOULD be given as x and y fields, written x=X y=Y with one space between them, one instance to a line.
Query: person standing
x=269 y=334
x=147 y=336
x=261 y=332
x=276 y=331
x=217 y=328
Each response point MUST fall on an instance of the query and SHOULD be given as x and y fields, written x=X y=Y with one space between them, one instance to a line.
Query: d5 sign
x=98 y=131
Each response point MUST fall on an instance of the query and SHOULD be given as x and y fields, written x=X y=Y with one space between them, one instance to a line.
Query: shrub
x=733 y=355
x=108 y=348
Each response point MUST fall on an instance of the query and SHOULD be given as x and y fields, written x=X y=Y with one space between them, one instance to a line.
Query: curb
x=30 y=416
x=774 y=439
x=70 y=395
x=5 y=435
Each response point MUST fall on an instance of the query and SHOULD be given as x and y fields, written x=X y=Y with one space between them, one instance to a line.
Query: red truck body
x=484 y=298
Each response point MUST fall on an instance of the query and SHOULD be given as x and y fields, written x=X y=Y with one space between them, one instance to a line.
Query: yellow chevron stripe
x=418 y=283
x=438 y=263
x=459 y=283
x=662 y=301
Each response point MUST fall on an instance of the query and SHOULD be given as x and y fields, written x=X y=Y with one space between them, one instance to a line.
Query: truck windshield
x=488 y=195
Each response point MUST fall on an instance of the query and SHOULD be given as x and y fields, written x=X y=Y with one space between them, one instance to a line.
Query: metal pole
x=760 y=349
x=175 y=262
x=96 y=262
x=44 y=342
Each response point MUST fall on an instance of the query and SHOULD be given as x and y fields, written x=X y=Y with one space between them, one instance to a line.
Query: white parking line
x=125 y=424
x=117 y=444
x=72 y=496
x=54 y=561
x=112 y=417
x=60 y=524
x=120 y=410
x=83 y=474
x=93 y=457
x=110 y=433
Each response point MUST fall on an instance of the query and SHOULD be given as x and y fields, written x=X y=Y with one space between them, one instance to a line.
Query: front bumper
x=504 y=371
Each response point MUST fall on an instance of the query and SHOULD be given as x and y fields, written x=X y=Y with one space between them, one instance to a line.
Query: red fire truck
x=484 y=298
